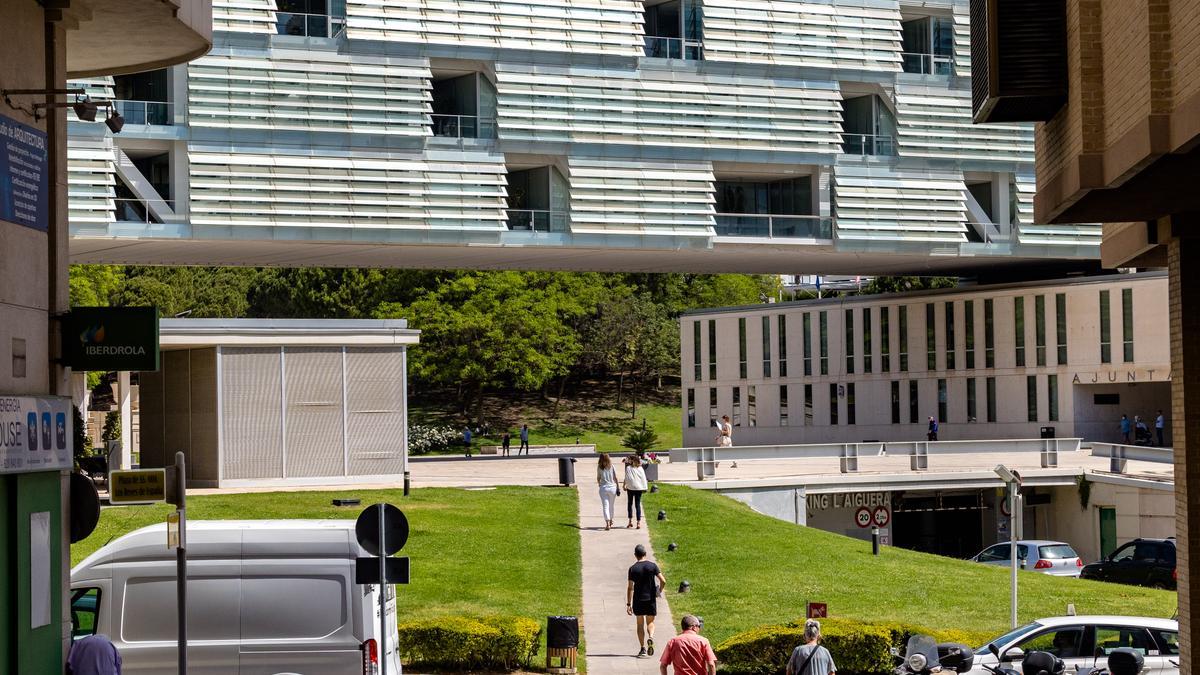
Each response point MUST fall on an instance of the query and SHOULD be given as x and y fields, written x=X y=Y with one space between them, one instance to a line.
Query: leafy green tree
x=95 y=285
x=905 y=284
x=631 y=335
x=112 y=426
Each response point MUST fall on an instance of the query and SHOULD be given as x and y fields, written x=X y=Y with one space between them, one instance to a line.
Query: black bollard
x=654 y=487
x=672 y=546
x=662 y=515
x=685 y=586
x=875 y=541
x=406 y=484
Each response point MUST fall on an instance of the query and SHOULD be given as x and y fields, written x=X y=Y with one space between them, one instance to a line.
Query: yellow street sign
x=173 y=529
x=137 y=486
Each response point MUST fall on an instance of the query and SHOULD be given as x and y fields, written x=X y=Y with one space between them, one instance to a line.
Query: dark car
x=1141 y=562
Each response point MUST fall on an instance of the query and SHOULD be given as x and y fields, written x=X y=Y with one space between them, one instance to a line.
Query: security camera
x=1007 y=475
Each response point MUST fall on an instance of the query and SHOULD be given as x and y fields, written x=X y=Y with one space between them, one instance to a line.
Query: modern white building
x=1067 y=357
x=822 y=136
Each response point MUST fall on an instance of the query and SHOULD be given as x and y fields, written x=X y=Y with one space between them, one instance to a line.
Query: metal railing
x=657 y=47
x=309 y=25
x=136 y=211
x=464 y=126
x=927 y=64
x=146 y=112
x=868 y=144
x=774 y=226
x=537 y=220
x=990 y=233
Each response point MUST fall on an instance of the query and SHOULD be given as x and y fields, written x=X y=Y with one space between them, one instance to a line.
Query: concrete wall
x=1141 y=512
x=178 y=413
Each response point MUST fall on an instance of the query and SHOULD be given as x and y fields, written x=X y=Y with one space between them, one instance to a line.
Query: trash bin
x=1047 y=432
x=562 y=641
x=566 y=470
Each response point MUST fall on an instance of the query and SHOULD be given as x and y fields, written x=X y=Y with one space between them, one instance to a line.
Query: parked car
x=1086 y=641
x=264 y=597
x=1142 y=562
x=1048 y=557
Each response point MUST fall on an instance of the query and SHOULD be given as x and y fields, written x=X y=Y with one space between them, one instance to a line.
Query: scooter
x=1121 y=661
x=924 y=656
x=1034 y=663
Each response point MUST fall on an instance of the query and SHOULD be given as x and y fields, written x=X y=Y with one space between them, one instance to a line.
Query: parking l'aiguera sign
x=111 y=338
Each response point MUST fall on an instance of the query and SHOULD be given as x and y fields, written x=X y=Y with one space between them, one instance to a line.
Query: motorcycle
x=1122 y=661
x=923 y=656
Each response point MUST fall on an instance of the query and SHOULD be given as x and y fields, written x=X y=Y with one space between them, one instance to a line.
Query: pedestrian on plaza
x=635 y=486
x=646 y=583
x=506 y=442
x=467 y=439
x=811 y=658
x=1141 y=433
x=606 y=477
x=1159 y=423
x=724 y=432
x=524 y=440
x=93 y=655
x=1125 y=427
x=689 y=653
x=933 y=430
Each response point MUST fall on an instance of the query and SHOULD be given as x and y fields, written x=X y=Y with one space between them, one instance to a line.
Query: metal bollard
x=406 y=483
x=874 y=541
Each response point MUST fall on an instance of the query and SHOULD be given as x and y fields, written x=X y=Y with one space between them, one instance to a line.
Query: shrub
x=640 y=440
x=423 y=439
x=112 y=426
x=470 y=643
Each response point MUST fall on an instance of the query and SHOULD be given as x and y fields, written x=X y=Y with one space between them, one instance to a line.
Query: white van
x=268 y=597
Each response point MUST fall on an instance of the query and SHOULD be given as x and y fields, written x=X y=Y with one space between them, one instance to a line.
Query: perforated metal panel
x=313 y=425
x=375 y=415
x=251 y=414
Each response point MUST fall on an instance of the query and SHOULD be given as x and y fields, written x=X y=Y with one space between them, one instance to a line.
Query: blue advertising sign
x=24 y=174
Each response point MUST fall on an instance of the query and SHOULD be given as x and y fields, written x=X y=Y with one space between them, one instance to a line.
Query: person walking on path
x=1159 y=423
x=524 y=440
x=646 y=583
x=933 y=429
x=688 y=653
x=606 y=477
x=93 y=655
x=724 y=432
x=467 y=439
x=1125 y=427
x=506 y=442
x=811 y=658
x=635 y=486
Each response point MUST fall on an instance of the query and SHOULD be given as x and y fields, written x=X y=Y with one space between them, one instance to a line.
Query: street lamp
x=1013 y=480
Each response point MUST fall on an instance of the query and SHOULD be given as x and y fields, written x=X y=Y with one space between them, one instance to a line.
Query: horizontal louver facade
x=91 y=181
x=879 y=203
x=643 y=198
x=935 y=123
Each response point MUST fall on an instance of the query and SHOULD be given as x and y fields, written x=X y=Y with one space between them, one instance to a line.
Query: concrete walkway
x=610 y=633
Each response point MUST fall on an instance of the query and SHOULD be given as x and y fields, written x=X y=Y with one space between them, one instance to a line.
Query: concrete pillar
x=1185 y=425
x=126 y=408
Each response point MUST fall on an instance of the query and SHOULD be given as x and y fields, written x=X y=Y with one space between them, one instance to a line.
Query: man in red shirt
x=689 y=653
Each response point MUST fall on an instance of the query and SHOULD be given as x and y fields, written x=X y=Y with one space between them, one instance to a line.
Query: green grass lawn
x=512 y=550
x=747 y=570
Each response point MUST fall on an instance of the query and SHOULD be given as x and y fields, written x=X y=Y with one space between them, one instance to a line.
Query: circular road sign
x=395 y=529
x=862 y=517
x=1004 y=509
x=881 y=516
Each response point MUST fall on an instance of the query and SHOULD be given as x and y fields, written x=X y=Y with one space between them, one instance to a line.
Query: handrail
x=868 y=144
x=309 y=25
x=148 y=113
x=463 y=126
x=659 y=47
x=1137 y=453
x=924 y=63
x=135 y=210
x=537 y=220
x=774 y=226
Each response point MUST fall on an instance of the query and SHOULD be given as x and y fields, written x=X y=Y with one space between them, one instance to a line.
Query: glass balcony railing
x=868 y=144
x=537 y=220
x=146 y=112
x=773 y=226
x=136 y=211
x=673 y=48
x=463 y=126
x=927 y=64
x=309 y=25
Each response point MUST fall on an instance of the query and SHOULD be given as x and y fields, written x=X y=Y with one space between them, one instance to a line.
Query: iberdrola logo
x=92 y=335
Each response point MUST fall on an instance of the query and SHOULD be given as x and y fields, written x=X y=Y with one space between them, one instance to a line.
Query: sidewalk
x=610 y=633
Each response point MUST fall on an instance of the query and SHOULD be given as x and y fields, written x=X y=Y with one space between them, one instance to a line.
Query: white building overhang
x=201 y=333
x=114 y=37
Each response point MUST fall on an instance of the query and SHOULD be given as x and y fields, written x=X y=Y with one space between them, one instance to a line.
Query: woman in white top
x=724 y=432
x=635 y=486
x=606 y=476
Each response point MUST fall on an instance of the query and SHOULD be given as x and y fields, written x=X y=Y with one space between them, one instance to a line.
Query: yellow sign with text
x=137 y=486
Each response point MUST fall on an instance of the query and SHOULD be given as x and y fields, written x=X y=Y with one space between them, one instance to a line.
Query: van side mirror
x=1013 y=654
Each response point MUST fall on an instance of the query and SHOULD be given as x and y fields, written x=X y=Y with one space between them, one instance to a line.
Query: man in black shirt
x=646 y=582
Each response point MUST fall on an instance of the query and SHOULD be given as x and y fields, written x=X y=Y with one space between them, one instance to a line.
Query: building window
x=951 y=345
x=1060 y=327
x=942 y=400
x=675 y=30
x=904 y=338
x=766 y=344
x=1105 y=329
x=914 y=403
x=1019 y=329
x=1127 y=324
x=850 y=341
x=969 y=319
x=850 y=403
x=1106 y=399
x=696 y=351
x=991 y=399
x=808 y=405
x=869 y=128
x=1052 y=396
x=866 y=335
x=1031 y=397
x=833 y=404
x=712 y=406
x=751 y=406
x=691 y=407
x=782 y=345
x=930 y=338
x=885 y=342
x=783 y=405
x=1039 y=328
x=806 y=329
x=895 y=402
x=928 y=45
x=737 y=406
x=712 y=349
x=309 y=18
x=971 y=399
x=742 y=348
x=989 y=334
x=823 y=328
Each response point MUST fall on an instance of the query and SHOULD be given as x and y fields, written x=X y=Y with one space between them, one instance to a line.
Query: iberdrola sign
x=111 y=338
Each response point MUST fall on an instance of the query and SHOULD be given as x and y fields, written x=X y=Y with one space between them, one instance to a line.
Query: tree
x=632 y=335
x=95 y=285
x=640 y=440
x=112 y=426
x=905 y=284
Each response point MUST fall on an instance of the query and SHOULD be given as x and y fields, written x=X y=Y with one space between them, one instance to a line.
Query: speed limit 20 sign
x=862 y=517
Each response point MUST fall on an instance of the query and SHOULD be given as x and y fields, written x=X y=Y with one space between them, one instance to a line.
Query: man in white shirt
x=1159 y=423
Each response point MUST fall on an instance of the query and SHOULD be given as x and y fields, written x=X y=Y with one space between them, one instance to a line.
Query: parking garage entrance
x=945 y=523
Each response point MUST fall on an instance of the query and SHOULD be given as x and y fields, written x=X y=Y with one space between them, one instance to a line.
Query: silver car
x=1048 y=557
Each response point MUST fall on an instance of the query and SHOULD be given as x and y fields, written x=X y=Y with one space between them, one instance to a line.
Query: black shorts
x=645 y=608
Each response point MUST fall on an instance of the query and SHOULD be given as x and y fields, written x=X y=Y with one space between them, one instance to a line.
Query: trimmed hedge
x=858 y=648
x=470 y=643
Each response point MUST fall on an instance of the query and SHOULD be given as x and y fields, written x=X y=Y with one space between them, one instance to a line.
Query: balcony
x=309 y=25
x=927 y=64
x=673 y=48
x=463 y=126
x=773 y=226
x=139 y=211
x=146 y=113
x=869 y=144
x=537 y=220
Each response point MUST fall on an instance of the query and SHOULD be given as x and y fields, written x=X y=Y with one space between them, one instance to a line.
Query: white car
x=1087 y=641
x=1055 y=558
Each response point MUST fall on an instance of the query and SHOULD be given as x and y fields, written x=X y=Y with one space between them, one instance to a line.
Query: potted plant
x=641 y=440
